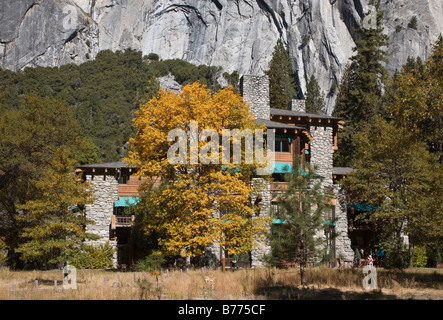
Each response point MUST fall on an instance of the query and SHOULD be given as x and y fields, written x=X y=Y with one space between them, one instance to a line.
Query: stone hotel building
x=312 y=137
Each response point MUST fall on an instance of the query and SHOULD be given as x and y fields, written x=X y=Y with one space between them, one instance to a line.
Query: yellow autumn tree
x=201 y=199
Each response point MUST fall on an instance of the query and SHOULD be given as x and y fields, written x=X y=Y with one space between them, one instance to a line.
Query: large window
x=282 y=145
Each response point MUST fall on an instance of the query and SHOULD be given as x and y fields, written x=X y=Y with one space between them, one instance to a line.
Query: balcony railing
x=279 y=186
x=121 y=221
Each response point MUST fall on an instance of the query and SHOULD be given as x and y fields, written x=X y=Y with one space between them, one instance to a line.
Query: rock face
x=45 y=33
x=235 y=34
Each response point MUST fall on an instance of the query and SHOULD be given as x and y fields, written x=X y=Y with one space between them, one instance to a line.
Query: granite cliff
x=235 y=34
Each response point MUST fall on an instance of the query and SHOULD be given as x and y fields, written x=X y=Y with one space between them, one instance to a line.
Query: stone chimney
x=255 y=90
x=297 y=105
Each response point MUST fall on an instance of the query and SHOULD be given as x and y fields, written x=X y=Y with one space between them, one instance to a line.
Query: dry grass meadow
x=251 y=284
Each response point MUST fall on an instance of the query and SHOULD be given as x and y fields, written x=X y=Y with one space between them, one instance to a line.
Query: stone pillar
x=343 y=248
x=105 y=190
x=212 y=257
x=322 y=152
x=255 y=90
x=298 y=105
x=321 y=149
x=263 y=247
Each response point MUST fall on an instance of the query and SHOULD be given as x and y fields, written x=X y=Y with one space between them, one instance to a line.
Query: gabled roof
x=277 y=125
x=282 y=112
x=107 y=165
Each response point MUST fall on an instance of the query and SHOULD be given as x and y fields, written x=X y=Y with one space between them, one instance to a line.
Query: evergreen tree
x=104 y=93
x=417 y=99
x=301 y=211
x=282 y=88
x=359 y=100
x=344 y=155
x=396 y=172
x=315 y=99
x=397 y=159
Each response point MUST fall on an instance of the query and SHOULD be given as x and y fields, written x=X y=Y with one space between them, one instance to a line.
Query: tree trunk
x=302 y=262
x=302 y=274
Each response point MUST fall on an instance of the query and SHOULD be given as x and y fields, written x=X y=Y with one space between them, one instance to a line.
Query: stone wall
x=101 y=210
x=212 y=256
x=322 y=152
x=255 y=90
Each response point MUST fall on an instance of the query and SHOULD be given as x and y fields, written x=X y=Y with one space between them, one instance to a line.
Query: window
x=282 y=145
x=278 y=177
x=274 y=208
x=123 y=179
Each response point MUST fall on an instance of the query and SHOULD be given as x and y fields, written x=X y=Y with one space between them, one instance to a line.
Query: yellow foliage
x=197 y=204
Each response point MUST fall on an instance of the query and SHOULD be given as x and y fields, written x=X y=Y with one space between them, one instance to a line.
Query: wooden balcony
x=283 y=157
x=278 y=186
x=121 y=221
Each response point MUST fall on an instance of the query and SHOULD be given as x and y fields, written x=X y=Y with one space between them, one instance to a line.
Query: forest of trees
x=392 y=136
x=104 y=93
x=54 y=119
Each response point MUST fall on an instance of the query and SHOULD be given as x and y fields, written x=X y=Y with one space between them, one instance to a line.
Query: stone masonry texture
x=105 y=190
x=255 y=90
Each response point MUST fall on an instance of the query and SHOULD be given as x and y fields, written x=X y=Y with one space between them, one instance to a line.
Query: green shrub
x=3 y=255
x=153 y=57
x=94 y=257
x=357 y=254
x=396 y=254
x=438 y=257
x=419 y=257
x=151 y=262
x=413 y=23
x=241 y=257
x=306 y=38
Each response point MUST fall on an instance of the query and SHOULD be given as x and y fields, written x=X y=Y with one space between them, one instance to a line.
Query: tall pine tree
x=282 y=87
x=315 y=99
x=360 y=97
x=302 y=209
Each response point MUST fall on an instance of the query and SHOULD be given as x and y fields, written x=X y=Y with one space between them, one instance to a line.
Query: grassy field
x=251 y=284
